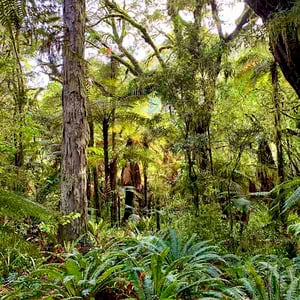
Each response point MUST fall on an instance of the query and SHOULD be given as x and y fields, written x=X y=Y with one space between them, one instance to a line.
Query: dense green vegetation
x=149 y=149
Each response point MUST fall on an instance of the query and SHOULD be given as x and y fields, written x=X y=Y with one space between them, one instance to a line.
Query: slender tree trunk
x=105 y=132
x=145 y=204
x=19 y=94
x=129 y=197
x=89 y=169
x=210 y=153
x=278 y=135
x=75 y=125
x=89 y=187
x=97 y=198
x=19 y=155
x=92 y=172
x=113 y=186
x=113 y=165
x=157 y=214
x=191 y=169
x=145 y=171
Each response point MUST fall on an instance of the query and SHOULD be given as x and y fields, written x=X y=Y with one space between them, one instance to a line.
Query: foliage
x=216 y=214
x=17 y=206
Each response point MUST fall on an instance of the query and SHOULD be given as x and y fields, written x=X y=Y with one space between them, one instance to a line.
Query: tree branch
x=118 y=40
x=117 y=57
x=244 y=18
x=123 y=14
x=215 y=14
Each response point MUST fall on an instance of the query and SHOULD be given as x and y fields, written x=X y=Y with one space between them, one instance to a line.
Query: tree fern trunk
x=75 y=125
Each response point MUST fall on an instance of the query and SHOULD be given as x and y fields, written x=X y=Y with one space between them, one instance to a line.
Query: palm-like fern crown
x=12 y=13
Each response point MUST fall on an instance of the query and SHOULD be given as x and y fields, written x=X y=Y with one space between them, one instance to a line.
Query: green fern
x=294 y=229
x=292 y=201
x=12 y=13
x=17 y=206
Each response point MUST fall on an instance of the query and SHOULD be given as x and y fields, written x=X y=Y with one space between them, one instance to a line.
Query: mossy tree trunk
x=75 y=125
x=286 y=45
x=266 y=166
x=277 y=122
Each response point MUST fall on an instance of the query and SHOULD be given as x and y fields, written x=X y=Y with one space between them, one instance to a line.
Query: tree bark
x=75 y=125
x=285 y=47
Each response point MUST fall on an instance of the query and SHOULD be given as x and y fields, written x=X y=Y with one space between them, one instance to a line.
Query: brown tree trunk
x=75 y=125
x=285 y=47
x=265 y=166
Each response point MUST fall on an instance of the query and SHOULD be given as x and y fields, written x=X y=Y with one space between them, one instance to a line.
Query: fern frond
x=12 y=13
x=292 y=201
x=294 y=228
x=15 y=206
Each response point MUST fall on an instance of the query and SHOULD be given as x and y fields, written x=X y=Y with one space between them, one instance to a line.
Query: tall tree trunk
x=145 y=204
x=92 y=172
x=90 y=191
x=285 y=46
x=97 y=198
x=278 y=135
x=19 y=94
x=75 y=125
x=210 y=153
x=113 y=164
x=105 y=132
x=113 y=186
x=143 y=209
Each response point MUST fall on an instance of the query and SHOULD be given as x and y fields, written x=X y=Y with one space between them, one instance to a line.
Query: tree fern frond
x=12 y=12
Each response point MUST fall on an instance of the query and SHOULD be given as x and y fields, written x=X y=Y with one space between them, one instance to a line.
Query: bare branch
x=244 y=18
x=142 y=29
x=118 y=40
x=118 y=58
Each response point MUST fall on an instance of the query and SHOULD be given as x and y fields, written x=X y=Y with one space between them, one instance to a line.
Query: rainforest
x=150 y=149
